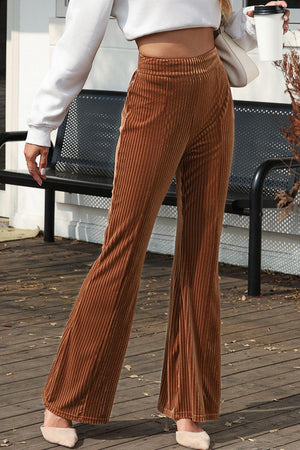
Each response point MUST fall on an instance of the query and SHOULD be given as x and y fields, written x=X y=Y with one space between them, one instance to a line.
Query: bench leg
x=49 y=215
x=254 y=254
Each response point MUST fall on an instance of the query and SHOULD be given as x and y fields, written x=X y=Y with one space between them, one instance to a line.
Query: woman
x=177 y=118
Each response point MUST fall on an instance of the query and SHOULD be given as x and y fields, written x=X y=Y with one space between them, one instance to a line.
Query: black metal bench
x=82 y=161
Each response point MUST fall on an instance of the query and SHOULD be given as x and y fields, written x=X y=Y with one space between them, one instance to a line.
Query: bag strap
x=216 y=33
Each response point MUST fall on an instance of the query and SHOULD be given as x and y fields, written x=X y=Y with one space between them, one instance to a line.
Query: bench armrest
x=262 y=171
x=12 y=136
x=15 y=136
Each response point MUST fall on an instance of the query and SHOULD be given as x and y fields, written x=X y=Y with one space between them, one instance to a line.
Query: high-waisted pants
x=177 y=119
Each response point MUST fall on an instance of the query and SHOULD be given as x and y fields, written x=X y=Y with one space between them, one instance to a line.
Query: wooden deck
x=261 y=365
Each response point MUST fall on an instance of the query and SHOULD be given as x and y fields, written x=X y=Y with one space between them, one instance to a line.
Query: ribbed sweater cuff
x=39 y=136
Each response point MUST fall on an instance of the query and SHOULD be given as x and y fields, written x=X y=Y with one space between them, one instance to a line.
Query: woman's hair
x=226 y=9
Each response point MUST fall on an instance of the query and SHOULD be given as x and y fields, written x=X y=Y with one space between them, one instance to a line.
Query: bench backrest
x=257 y=138
x=87 y=139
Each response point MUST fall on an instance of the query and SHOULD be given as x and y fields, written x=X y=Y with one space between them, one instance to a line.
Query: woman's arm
x=242 y=29
x=73 y=56
x=241 y=25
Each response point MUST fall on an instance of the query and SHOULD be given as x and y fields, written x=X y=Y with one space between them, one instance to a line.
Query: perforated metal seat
x=82 y=161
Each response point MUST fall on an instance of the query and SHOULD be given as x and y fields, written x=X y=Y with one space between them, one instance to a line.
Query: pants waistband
x=199 y=64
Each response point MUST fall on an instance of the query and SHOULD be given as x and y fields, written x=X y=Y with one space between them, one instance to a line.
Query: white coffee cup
x=269 y=31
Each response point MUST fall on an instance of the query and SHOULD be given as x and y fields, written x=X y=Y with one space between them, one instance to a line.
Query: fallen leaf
x=228 y=424
x=128 y=367
x=146 y=393
x=238 y=420
x=6 y=324
x=9 y=374
x=133 y=376
x=53 y=324
x=273 y=431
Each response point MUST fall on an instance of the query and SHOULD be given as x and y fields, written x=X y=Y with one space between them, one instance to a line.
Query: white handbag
x=240 y=68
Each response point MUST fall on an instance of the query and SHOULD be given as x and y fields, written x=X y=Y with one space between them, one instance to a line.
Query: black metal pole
x=254 y=253
x=255 y=232
x=49 y=215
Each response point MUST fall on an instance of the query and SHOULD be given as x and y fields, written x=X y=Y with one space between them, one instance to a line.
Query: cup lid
x=263 y=9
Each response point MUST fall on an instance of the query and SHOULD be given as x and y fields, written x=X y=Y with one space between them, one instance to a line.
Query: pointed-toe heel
x=196 y=440
x=67 y=437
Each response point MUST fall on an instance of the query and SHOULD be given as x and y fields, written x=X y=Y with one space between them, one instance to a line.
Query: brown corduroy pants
x=177 y=118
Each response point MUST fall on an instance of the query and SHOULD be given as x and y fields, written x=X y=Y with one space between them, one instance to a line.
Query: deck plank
x=260 y=352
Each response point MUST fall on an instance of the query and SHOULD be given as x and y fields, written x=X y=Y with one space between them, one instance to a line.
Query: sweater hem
x=39 y=136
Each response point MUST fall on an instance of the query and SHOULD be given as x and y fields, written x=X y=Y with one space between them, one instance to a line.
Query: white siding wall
x=33 y=43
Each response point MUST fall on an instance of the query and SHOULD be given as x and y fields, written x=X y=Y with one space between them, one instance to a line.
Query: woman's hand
x=31 y=152
x=286 y=17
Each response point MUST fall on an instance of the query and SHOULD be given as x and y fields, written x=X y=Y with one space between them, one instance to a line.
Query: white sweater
x=86 y=22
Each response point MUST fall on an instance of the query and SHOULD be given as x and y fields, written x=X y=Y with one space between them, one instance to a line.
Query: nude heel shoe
x=67 y=437
x=197 y=440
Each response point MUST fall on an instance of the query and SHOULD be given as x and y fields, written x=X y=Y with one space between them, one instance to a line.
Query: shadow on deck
x=260 y=352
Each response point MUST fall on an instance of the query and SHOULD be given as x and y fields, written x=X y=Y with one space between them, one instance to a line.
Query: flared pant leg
x=154 y=131
x=159 y=122
x=191 y=377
